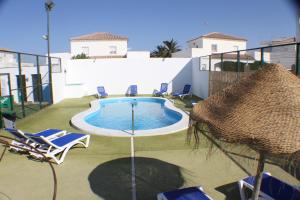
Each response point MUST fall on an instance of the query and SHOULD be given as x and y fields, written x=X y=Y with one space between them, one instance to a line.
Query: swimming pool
x=113 y=117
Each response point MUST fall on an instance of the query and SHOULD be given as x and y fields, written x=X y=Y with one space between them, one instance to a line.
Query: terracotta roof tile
x=217 y=35
x=99 y=36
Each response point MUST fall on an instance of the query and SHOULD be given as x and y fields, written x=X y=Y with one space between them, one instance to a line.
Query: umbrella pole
x=258 y=177
x=133 y=183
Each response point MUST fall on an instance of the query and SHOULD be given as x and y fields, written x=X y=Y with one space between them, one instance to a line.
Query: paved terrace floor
x=103 y=170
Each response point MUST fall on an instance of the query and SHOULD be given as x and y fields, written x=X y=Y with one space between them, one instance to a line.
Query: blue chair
x=185 y=92
x=57 y=148
x=163 y=90
x=22 y=137
x=271 y=188
x=132 y=90
x=101 y=92
x=191 y=193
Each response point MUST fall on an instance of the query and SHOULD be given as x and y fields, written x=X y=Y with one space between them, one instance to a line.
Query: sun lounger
x=101 y=92
x=132 y=90
x=271 y=188
x=163 y=90
x=61 y=145
x=22 y=137
x=185 y=92
x=191 y=193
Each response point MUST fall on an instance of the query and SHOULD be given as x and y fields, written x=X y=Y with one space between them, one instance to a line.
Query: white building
x=285 y=55
x=99 y=45
x=211 y=43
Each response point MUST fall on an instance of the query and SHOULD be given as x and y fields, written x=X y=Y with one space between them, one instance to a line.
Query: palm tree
x=171 y=47
x=159 y=52
x=166 y=50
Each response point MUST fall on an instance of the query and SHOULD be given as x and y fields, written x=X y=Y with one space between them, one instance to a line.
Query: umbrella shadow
x=112 y=180
x=230 y=190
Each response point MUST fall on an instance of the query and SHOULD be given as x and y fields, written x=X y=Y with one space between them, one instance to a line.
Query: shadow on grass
x=230 y=190
x=4 y=196
x=112 y=180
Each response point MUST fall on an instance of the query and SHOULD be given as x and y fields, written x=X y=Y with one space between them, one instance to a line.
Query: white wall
x=204 y=47
x=83 y=76
x=184 y=53
x=200 y=78
x=197 y=43
x=138 y=54
x=191 y=53
x=224 y=45
x=99 y=48
x=257 y=56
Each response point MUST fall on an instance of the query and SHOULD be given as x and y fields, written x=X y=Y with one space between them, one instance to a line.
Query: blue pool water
x=149 y=113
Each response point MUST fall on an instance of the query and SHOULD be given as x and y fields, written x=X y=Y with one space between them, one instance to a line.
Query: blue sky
x=146 y=23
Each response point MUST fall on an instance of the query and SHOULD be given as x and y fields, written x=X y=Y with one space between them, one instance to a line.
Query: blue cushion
x=103 y=94
x=164 y=87
x=63 y=140
x=48 y=132
x=186 y=89
x=15 y=133
x=275 y=188
x=191 y=193
x=133 y=89
x=176 y=94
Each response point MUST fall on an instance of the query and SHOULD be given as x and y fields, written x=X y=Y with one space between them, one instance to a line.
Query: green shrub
x=80 y=56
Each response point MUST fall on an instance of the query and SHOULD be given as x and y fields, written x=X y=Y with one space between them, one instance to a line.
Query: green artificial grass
x=102 y=171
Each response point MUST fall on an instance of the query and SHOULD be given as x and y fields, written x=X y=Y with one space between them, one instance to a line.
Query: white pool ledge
x=79 y=122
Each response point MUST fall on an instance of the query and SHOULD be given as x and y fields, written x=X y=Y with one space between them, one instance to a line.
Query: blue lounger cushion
x=16 y=133
x=275 y=188
x=191 y=193
x=163 y=89
x=46 y=133
x=185 y=91
x=66 y=139
x=133 y=90
x=101 y=91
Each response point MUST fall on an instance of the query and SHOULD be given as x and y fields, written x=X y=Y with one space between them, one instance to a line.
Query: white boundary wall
x=83 y=76
x=200 y=78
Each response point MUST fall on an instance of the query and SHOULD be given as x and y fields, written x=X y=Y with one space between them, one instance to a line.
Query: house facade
x=99 y=45
x=285 y=55
x=212 y=43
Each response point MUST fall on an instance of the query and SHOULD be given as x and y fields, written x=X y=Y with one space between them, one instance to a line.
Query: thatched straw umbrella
x=261 y=111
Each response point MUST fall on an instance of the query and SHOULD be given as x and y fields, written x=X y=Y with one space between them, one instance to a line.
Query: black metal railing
x=228 y=67
x=25 y=81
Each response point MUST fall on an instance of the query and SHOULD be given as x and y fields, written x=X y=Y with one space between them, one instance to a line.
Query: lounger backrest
x=101 y=90
x=186 y=193
x=278 y=189
x=164 y=87
x=16 y=133
x=39 y=140
x=133 y=89
x=186 y=89
x=275 y=188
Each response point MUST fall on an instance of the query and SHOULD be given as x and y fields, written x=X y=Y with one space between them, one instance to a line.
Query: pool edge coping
x=78 y=122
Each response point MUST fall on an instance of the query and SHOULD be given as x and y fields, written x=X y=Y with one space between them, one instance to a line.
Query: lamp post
x=48 y=6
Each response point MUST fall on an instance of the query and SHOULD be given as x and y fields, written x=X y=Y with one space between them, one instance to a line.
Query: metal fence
x=25 y=82
x=227 y=68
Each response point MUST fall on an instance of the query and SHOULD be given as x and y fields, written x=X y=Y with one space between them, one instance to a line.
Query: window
x=235 y=48
x=203 y=67
x=85 y=50
x=113 y=49
x=214 y=48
